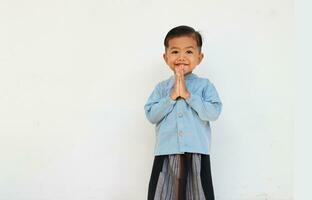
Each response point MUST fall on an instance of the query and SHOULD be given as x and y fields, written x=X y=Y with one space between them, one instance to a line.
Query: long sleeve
x=208 y=106
x=158 y=106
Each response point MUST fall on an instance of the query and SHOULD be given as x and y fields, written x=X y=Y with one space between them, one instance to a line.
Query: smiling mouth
x=180 y=65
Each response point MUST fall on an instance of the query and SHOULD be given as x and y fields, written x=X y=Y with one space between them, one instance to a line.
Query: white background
x=75 y=75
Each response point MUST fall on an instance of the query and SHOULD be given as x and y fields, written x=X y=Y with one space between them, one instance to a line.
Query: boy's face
x=183 y=53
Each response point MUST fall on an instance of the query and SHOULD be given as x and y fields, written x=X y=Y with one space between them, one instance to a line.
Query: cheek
x=193 y=60
x=172 y=60
x=196 y=60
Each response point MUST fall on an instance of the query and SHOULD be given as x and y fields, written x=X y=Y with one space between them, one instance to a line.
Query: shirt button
x=180 y=115
x=180 y=133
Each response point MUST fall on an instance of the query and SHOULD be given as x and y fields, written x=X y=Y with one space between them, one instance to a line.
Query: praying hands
x=179 y=88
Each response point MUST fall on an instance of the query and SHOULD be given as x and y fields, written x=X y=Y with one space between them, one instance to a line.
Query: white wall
x=75 y=75
x=303 y=108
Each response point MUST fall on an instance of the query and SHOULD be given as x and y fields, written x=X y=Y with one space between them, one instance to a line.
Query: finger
x=176 y=69
x=181 y=70
x=179 y=86
x=182 y=77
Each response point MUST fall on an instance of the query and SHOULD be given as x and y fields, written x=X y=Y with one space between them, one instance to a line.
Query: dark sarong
x=181 y=177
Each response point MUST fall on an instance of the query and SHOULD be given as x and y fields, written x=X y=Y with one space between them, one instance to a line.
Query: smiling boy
x=182 y=107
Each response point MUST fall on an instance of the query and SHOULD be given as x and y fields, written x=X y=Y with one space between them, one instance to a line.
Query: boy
x=182 y=107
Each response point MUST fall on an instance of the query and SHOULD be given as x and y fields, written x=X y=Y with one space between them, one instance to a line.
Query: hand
x=179 y=89
x=175 y=93
x=183 y=89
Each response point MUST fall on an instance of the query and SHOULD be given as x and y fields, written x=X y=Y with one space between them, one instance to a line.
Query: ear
x=200 y=58
x=165 y=57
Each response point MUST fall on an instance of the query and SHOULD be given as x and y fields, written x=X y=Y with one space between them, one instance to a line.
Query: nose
x=181 y=57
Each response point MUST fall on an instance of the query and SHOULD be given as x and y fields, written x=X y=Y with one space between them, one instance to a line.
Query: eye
x=189 y=52
x=174 y=52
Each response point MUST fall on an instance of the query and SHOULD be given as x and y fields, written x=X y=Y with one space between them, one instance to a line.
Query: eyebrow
x=185 y=47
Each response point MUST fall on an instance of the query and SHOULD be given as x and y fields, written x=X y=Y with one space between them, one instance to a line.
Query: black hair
x=183 y=31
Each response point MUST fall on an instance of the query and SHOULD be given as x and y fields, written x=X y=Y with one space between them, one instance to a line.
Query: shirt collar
x=190 y=76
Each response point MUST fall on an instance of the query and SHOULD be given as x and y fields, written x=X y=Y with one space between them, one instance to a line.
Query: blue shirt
x=183 y=125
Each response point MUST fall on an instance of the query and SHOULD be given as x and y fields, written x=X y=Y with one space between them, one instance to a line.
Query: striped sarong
x=181 y=177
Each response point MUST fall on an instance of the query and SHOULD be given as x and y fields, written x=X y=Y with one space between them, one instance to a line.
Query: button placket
x=180 y=122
